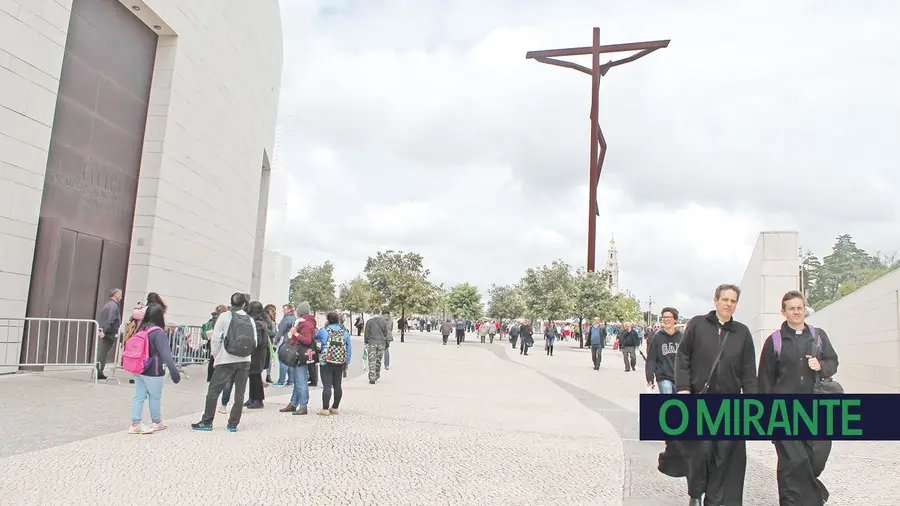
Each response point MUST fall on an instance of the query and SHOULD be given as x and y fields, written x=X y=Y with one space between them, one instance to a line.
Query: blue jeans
x=666 y=387
x=387 y=357
x=146 y=387
x=300 y=395
x=284 y=372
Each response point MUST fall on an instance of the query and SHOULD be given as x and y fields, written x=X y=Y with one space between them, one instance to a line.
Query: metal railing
x=35 y=344
x=188 y=345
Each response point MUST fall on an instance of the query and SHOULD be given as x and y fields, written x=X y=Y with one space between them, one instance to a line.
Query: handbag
x=293 y=355
x=825 y=386
x=615 y=345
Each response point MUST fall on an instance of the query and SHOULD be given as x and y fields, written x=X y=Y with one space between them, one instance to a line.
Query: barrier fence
x=188 y=344
x=35 y=344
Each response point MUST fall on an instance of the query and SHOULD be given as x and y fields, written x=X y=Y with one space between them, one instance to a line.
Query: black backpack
x=239 y=340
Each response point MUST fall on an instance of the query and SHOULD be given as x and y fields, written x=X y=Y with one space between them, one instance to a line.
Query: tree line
x=399 y=281
x=846 y=269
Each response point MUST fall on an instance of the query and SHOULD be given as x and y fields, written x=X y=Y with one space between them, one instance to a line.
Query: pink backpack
x=136 y=355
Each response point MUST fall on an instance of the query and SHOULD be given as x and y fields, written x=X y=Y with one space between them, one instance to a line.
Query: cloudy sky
x=419 y=125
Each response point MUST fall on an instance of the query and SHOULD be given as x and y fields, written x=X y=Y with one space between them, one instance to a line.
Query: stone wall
x=865 y=330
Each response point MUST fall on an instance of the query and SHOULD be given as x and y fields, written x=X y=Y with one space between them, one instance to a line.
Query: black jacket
x=629 y=338
x=526 y=334
x=789 y=372
x=661 y=350
x=258 y=357
x=736 y=371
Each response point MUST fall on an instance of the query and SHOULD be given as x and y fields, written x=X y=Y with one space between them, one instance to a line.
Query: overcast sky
x=419 y=125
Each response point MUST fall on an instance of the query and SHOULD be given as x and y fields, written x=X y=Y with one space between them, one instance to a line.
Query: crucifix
x=598 y=142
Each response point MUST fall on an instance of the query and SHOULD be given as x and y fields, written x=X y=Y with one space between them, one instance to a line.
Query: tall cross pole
x=598 y=142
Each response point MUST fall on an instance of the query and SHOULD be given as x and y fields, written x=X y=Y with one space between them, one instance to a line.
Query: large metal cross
x=598 y=143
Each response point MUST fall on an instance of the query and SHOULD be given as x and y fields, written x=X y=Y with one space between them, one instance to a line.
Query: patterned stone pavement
x=472 y=425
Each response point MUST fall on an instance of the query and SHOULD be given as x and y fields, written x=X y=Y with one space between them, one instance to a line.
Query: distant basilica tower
x=612 y=267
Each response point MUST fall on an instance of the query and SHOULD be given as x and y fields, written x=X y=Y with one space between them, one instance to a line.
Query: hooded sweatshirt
x=661 y=351
x=304 y=329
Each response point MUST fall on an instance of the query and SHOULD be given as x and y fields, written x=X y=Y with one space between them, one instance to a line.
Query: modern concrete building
x=275 y=281
x=134 y=146
x=864 y=326
x=774 y=269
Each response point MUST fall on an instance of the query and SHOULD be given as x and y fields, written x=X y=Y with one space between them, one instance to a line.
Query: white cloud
x=421 y=126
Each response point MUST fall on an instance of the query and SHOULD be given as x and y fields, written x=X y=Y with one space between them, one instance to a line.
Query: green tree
x=315 y=284
x=591 y=298
x=624 y=307
x=358 y=296
x=810 y=270
x=846 y=269
x=505 y=302
x=464 y=299
x=548 y=291
x=402 y=280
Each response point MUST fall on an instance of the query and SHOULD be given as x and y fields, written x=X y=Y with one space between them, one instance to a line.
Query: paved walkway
x=472 y=425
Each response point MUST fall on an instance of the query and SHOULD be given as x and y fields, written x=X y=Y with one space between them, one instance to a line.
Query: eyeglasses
x=667 y=318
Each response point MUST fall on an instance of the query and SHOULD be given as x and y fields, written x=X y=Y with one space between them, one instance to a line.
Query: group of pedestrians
x=240 y=342
x=716 y=355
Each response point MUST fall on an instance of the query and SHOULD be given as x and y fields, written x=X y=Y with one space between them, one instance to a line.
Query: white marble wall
x=211 y=121
x=773 y=270
x=865 y=330
x=32 y=44
x=213 y=107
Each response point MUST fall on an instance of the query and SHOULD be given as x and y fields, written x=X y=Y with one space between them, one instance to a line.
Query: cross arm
x=610 y=48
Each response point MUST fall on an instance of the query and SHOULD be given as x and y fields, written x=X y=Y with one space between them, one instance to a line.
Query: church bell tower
x=612 y=267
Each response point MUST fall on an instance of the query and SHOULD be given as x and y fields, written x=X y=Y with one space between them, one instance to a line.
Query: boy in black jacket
x=661 y=350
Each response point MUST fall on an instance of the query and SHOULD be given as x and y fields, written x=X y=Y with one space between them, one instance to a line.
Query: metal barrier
x=189 y=345
x=50 y=343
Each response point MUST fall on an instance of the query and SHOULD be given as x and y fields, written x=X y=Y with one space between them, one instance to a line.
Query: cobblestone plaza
x=445 y=425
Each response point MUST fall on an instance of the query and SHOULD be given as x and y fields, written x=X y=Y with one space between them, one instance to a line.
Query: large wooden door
x=93 y=165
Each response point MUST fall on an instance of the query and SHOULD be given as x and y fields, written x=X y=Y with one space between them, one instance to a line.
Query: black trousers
x=445 y=336
x=629 y=357
x=460 y=335
x=799 y=465
x=313 y=373
x=257 y=390
x=332 y=374
x=716 y=469
x=106 y=344
x=238 y=373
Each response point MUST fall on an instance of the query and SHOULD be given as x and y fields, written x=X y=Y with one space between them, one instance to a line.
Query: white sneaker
x=158 y=426
x=140 y=429
x=223 y=409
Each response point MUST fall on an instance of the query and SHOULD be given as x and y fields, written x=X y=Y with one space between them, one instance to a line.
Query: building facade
x=135 y=139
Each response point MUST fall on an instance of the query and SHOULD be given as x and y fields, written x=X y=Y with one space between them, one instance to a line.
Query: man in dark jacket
x=526 y=336
x=514 y=333
x=628 y=341
x=793 y=360
x=109 y=321
x=661 y=349
x=446 y=330
x=716 y=356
